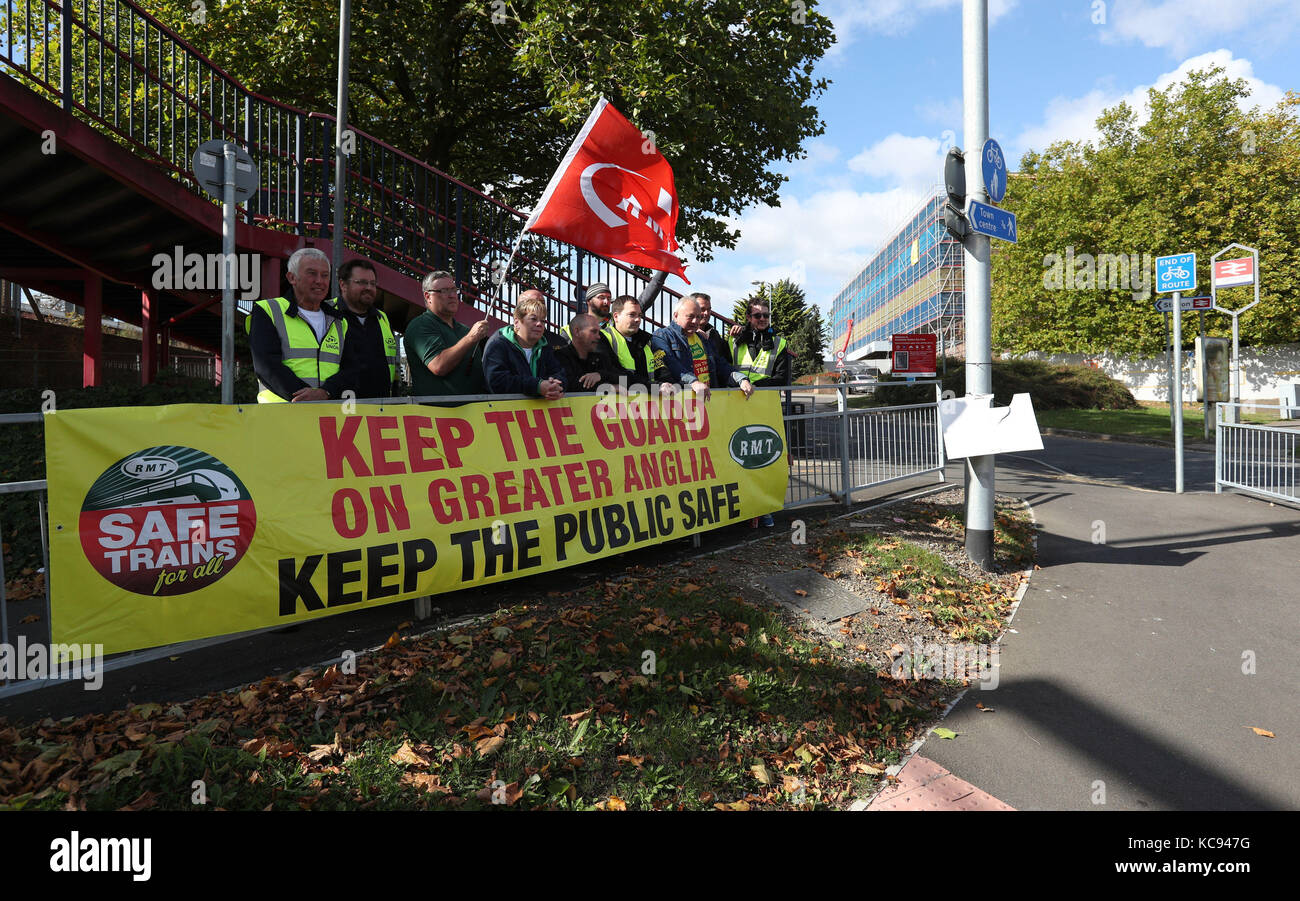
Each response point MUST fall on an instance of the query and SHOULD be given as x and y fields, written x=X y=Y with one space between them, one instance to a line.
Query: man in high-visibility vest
x=300 y=344
x=358 y=288
x=629 y=344
x=597 y=296
x=760 y=353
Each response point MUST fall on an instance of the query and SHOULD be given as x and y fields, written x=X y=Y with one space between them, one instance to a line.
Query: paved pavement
x=1122 y=684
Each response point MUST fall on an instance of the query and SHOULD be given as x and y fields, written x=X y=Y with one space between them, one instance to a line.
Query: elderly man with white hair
x=688 y=359
x=300 y=344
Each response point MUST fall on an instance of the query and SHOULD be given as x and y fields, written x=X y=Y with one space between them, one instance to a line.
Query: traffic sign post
x=1176 y=273
x=226 y=170
x=991 y=221
x=1234 y=273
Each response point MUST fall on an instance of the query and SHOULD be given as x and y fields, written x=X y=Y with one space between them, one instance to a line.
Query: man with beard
x=586 y=365
x=598 y=296
x=358 y=288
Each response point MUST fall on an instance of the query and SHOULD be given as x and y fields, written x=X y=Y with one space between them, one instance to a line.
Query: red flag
x=613 y=195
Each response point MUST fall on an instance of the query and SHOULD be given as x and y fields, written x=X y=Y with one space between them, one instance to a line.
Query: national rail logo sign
x=166 y=521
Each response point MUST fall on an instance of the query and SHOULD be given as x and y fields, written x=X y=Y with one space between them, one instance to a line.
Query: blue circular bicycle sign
x=994 y=168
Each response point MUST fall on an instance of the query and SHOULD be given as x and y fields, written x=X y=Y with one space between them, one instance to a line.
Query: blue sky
x=894 y=107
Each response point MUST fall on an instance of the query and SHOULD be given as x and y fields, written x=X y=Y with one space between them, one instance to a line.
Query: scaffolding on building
x=914 y=283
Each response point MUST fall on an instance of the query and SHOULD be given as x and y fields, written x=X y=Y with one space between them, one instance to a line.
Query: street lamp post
x=340 y=126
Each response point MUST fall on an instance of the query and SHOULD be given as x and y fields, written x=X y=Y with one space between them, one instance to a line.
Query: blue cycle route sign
x=991 y=221
x=994 y=167
x=1176 y=272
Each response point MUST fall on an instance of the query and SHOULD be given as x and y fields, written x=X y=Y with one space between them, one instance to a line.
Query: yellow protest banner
x=174 y=523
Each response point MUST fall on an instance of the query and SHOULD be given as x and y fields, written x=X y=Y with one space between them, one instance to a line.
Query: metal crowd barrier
x=826 y=450
x=1257 y=459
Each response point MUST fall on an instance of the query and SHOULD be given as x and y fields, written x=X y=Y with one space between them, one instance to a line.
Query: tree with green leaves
x=1197 y=175
x=792 y=316
x=493 y=92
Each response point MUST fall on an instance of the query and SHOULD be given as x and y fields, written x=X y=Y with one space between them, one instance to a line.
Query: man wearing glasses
x=445 y=355
x=760 y=353
x=358 y=288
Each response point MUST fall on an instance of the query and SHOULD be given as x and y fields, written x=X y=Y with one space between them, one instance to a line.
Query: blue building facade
x=914 y=283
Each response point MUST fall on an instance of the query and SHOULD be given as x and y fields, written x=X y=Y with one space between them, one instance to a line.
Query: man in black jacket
x=584 y=362
x=711 y=336
x=758 y=351
x=628 y=345
x=302 y=349
x=370 y=328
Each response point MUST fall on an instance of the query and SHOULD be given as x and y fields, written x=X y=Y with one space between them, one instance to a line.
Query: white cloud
x=819 y=241
x=893 y=17
x=1074 y=118
x=913 y=161
x=1180 y=25
x=945 y=112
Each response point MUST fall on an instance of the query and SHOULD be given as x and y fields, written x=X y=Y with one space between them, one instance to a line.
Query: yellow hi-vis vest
x=390 y=344
x=311 y=360
x=758 y=368
x=624 y=351
x=605 y=322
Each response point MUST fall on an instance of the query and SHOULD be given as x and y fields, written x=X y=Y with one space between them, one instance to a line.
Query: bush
x=818 y=378
x=1052 y=386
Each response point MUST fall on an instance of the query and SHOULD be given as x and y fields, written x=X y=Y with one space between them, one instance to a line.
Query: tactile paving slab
x=924 y=785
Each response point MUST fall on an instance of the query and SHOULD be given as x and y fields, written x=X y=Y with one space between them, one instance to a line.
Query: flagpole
x=501 y=282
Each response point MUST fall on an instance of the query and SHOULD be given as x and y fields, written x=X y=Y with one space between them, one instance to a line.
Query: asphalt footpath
x=1160 y=632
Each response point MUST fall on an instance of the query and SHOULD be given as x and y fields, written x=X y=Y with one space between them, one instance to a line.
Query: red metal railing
x=118 y=68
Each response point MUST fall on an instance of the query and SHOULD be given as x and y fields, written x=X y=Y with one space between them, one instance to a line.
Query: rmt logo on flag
x=613 y=195
x=1230 y=273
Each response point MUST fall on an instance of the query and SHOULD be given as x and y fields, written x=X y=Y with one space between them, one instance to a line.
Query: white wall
x=1264 y=371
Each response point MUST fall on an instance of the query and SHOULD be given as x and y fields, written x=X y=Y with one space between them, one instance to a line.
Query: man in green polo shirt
x=445 y=356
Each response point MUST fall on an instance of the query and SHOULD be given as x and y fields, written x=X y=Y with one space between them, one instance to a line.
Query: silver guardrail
x=1257 y=459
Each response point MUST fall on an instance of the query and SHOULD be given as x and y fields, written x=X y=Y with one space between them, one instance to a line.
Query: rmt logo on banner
x=167 y=520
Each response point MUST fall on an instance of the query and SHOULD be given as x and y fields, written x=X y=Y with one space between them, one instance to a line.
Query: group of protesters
x=307 y=347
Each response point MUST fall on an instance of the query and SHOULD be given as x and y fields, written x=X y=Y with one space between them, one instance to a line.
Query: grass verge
x=664 y=690
x=1147 y=422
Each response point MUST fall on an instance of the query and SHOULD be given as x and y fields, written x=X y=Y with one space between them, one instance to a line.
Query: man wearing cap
x=598 y=297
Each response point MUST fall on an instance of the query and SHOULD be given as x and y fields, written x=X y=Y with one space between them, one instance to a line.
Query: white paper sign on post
x=972 y=427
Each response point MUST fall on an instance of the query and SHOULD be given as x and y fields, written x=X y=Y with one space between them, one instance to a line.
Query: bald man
x=688 y=359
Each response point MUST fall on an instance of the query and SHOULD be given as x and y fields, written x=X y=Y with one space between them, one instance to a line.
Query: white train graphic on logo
x=198 y=486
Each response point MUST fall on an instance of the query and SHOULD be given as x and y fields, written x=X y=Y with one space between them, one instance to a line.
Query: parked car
x=861 y=383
